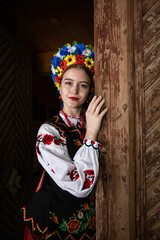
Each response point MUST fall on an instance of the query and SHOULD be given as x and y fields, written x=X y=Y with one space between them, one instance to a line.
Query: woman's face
x=74 y=89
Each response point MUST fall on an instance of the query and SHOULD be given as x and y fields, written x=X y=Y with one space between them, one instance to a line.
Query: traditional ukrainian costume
x=65 y=208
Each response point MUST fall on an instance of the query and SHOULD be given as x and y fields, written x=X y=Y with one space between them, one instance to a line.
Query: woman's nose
x=75 y=89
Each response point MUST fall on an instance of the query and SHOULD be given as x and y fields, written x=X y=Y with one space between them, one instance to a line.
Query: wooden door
x=127 y=76
x=15 y=104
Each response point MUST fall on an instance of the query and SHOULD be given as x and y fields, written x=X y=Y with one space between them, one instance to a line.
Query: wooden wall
x=15 y=154
x=151 y=37
x=127 y=46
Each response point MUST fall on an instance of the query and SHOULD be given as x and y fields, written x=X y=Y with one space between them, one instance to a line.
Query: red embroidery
x=58 y=141
x=47 y=139
x=89 y=178
x=74 y=175
x=52 y=170
x=73 y=226
x=92 y=222
x=89 y=172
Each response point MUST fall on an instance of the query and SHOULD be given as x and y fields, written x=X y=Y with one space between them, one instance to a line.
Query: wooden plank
x=139 y=121
x=152 y=142
x=152 y=103
x=115 y=197
x=147 y=4
x=151 y=36
x=153 y=229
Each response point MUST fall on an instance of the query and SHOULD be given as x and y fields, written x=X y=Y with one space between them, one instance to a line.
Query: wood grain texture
x=15 y=154
x=151 y=36
x=115 y=82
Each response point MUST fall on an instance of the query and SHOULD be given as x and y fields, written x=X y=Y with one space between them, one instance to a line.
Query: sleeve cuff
x=90 y=143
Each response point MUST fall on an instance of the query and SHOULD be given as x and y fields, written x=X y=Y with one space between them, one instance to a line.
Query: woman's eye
x=84 y=86
x=68 y=83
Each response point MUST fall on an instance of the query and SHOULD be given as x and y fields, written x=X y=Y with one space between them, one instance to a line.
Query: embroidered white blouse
x=78 y=175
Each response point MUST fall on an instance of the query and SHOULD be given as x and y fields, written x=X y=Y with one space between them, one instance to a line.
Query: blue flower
x=53 y=76
x=80 y=48
x=56 y=60
x=64 y=51
x=92 y=55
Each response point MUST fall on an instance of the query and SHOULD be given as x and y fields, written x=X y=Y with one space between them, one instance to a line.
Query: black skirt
x=56 y=214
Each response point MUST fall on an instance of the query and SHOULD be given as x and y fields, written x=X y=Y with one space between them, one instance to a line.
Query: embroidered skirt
x=52 y=213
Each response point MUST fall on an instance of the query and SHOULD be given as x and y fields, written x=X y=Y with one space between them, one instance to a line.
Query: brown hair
x=79 y=66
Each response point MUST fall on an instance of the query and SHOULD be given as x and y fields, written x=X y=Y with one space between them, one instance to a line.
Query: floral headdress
x=72 y=54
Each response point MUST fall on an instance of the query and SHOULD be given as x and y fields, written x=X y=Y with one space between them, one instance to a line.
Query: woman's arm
x=78 y=175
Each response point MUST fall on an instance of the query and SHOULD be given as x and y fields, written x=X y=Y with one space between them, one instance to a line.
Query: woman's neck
x=72 y=112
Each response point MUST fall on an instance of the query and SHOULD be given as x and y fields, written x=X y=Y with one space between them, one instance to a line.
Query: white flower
x=80 y=215
x=53 y=69
x=71 y=49
x=59 y=55
x=86 y=52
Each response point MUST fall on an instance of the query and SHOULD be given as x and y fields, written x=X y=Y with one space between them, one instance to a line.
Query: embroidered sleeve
x=78 y=175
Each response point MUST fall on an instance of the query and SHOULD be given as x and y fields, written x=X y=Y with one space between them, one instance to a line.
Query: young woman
x=68 y=150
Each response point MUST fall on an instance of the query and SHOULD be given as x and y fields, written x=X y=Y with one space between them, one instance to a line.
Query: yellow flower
x=89 y=62
x=57 y=85
x=58 y=71
x=70 y=59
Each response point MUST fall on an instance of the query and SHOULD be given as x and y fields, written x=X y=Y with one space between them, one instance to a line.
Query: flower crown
x=71 y=54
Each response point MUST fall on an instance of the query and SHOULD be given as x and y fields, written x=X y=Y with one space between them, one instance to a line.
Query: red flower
x=47 y=139
x=89 y=172
x=85 y=140
x=57 y=79
x=73 y=226
x=99 y=145
x=63 y=64
x=93 y=142
x=87 y=184
x=58 y=141
x=79 y=58
x=74 y=175
x=92 y=222
x=92 y=70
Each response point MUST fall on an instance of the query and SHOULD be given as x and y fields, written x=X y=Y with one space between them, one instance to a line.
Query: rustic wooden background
x=127 y=46
x=15 y=134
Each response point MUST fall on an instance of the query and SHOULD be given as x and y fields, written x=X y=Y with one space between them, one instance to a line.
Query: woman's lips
x=73 y=98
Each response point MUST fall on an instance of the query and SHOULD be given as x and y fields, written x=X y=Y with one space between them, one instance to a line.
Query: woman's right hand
x=94 y=116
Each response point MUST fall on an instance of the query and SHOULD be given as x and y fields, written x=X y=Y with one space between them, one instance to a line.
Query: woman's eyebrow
x=68 y=79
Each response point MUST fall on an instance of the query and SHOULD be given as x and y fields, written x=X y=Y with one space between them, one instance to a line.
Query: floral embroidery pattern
x=85 y=218
x=73 y=225
x=74 y=175
x=89 y=178
x=90 y=143
x=47 y=139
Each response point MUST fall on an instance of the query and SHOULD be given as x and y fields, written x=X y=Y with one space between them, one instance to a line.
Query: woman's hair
x=79 y=66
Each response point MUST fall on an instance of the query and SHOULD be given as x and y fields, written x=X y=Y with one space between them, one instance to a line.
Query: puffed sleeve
x=78 y=175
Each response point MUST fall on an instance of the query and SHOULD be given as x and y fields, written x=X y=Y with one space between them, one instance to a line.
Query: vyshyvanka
x=64 y=208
